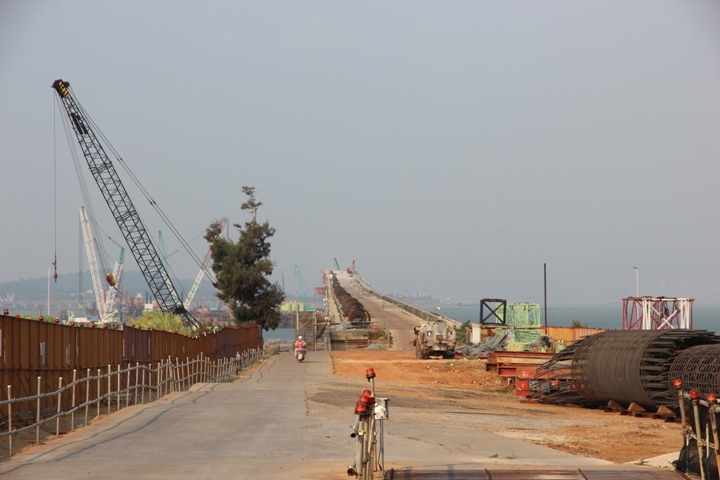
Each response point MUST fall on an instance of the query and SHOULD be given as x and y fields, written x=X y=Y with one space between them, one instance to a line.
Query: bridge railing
x=411 y=309
x=111 y=389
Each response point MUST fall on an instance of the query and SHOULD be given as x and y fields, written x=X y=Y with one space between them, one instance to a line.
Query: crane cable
x=77 y=163
x=142 y=189
x=54 y=201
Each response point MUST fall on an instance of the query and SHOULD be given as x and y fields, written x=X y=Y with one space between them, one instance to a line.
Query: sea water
x=285 y=335
x=607 y=316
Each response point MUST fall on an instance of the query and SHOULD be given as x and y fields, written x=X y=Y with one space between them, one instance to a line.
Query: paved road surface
x=255 y=428
x=262 y=427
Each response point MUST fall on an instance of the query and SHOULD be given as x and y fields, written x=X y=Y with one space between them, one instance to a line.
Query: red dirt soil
x=587 y=432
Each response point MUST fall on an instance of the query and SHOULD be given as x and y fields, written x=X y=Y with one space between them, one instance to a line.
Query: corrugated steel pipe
x=624 y=366
x=698 y=368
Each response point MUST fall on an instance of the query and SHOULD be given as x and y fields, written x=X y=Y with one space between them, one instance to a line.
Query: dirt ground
x=462 y=386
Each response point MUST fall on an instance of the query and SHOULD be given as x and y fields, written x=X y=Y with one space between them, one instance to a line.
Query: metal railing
x=119 y=388
x=411 y=309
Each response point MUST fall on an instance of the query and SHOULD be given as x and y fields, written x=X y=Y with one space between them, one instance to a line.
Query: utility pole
x=545 y=292
x=637 y=282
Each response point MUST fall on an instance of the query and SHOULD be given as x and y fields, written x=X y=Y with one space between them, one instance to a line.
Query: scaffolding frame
x=657 y=313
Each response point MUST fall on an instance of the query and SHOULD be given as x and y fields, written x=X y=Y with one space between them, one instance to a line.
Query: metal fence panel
x=31 y=348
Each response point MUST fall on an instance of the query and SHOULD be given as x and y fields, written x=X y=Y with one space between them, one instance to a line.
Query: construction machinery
x=435 y=338
x=113 y=280
x=122 y=208
x=164 y=268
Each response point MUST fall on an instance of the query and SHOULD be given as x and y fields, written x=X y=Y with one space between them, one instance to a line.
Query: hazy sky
x=449 y=148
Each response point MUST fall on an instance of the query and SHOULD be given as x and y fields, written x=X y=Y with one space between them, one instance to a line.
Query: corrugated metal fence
x=31 y=349
x=569 y=334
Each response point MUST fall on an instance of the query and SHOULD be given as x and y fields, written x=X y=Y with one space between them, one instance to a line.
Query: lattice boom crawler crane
x=122 y=208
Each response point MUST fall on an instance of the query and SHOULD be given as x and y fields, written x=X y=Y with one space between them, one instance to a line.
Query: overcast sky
x=450 y=148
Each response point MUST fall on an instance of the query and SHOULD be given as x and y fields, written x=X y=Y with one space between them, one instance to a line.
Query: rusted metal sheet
x=353 y=311
x=506 y=364
x=32 y=349
x=569 y=334
x=556 y=474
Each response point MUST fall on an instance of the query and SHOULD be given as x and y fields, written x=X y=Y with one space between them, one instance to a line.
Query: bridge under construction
x=284 y=418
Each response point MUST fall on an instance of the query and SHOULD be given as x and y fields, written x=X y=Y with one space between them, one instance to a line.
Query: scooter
x=300 y=354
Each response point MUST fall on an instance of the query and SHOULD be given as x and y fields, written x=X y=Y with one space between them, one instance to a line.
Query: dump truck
x=434 y=339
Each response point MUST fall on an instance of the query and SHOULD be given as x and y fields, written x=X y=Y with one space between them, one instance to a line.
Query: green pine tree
x=243 y=268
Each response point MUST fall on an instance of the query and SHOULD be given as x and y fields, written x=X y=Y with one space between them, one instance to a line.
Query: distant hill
x=68 y=284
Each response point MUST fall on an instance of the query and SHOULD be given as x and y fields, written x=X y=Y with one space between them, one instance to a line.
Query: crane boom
x=113 y=287
x=203 y=271
x=301 y=286
x=163 y=269
x=122 y=208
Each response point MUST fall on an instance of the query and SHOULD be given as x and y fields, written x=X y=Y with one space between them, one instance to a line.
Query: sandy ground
x=462 y=392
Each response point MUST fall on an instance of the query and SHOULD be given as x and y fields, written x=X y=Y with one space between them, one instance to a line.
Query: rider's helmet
x=299 y=337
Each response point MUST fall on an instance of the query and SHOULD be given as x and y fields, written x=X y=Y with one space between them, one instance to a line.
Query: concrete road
x=256 y=428
x=400 y=323
x=284 y=419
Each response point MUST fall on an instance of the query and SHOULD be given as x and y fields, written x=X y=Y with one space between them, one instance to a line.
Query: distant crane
x=105 y=303
x=301 y=288
x=204 y=270
x=114 y=282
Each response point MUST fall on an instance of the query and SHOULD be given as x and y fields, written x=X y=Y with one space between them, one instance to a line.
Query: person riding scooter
x=300 y=348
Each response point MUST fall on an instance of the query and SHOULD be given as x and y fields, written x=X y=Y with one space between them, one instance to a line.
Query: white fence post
x=37 y=418
x=10 y=419
x=72 y=415
x=109 y=388
x=59 y=407
x=119 y=387
x=87 y=395
x=142 y=389
x=97 y=402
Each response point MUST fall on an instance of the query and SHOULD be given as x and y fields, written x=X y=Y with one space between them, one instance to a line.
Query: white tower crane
x=92 y=260
x=113 y=282
x=107 y=310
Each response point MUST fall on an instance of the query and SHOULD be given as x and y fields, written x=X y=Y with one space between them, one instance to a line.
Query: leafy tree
x=243 y=267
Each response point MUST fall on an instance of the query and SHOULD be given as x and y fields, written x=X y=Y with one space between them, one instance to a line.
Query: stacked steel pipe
x=353 y=311
x=628 y=366
x=698 y=368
